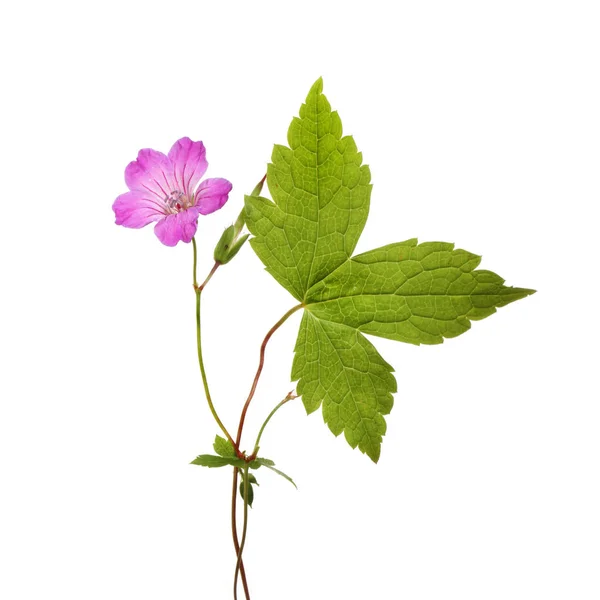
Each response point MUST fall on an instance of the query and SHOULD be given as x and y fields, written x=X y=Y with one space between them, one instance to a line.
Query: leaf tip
x=374 y=454
x=513 y=294
x=317 y=87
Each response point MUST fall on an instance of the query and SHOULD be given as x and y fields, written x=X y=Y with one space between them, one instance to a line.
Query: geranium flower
x=164 y=189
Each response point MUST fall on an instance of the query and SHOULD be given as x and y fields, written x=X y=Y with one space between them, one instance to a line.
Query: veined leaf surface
x=320 y=192
x=409 y=292
x=415 y=293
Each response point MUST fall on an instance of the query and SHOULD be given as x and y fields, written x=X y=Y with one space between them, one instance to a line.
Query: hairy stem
x=244 y=529
x=261 y=364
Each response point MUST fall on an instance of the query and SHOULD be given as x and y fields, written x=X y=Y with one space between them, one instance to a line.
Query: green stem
x=198 y=290
x=244 y=529
x=289 y=397
x=195 y=261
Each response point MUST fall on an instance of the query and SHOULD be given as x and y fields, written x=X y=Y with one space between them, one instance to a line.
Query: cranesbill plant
x=305 y=236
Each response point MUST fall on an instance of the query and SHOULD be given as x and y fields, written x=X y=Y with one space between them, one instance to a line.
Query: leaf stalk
x=261 y=364
x=291 y=396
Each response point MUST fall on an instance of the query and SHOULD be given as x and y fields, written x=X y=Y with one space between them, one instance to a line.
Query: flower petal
x=189 y=164
x=136 y=210
x=212 y=195
x=180 y=227
x=151 y=173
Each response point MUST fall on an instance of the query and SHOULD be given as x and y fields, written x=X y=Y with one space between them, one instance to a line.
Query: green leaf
x=211 y=461
x=282 y=475
x=251 y=480
x=338 y=368
x=266 y=462
x=415 y=293
x=224 y=447
x=412 y=293
x=250 y=493
x=259 y=462
x=320 y=192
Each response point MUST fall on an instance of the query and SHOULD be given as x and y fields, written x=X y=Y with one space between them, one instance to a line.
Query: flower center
x=177 y=201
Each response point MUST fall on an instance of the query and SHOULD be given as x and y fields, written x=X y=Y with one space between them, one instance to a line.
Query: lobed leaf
x=282 y=474
x=211 y=461
x=338 y=368
x=224 y=447
x=409 y=292
x=321 y=194
x=266 y=462
x=257 y=463
x=415 y=293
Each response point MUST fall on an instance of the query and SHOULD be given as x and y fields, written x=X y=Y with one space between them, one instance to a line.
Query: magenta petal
x=212 y=195
x=189 y=164
x=150 y=173
x=135 y=210
x=180 y=227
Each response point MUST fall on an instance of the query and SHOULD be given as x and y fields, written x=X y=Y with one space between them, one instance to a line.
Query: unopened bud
x=231 y=242
x=259 y=186
x=235 y=248
x=239 y=224
x=224 y=246
x=228 y=246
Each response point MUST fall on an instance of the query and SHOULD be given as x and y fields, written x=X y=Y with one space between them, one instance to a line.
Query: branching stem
x=198 y=289
x=290 y=396
x=239 y=545
x=261 y=364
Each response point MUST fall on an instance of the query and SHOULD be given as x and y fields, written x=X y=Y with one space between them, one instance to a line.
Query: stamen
x=176 y=201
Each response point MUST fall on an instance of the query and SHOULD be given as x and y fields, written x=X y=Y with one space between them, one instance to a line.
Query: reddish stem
x=261 y=364
x=199 y=288
x=236 y=542
x=242 y=455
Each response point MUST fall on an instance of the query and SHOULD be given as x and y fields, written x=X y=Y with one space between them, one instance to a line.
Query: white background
x=480 y=121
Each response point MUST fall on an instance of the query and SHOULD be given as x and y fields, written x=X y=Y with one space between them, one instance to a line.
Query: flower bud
x=228 y=246
x=239 y=224
x=259 y=186
x=224 y=245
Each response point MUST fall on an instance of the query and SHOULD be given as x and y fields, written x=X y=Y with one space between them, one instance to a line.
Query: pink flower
x=165 y=189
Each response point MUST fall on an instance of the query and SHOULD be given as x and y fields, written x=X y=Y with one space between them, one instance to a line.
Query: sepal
x=228 y=246
x=259 y=186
